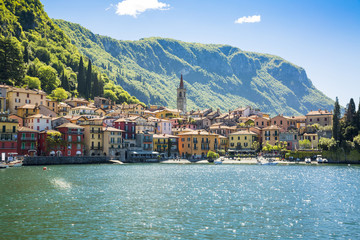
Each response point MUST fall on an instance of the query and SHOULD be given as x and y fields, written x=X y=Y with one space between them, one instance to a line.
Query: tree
x=358 y=116
x=33 y=82
x=48 y=78
x=357 y=142
x=336 y=121
x=351 y=113
x=59 y=94
x=95 y=87
x=12 y=67
x=110 y=94
x=212 y=155
x=81 y=78
x=327 y=144
x=64 y=81
x=256 y=146
x=88 y=80
x=305 y=144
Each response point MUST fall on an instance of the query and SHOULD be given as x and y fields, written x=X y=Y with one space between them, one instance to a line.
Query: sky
x=321 y=36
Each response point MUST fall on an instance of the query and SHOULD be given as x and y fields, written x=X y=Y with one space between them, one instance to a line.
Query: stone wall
x=41 y=160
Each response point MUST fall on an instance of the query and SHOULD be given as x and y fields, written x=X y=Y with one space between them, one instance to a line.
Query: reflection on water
x=157 y=201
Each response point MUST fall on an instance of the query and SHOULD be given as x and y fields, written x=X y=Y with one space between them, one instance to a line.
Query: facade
x=284 y=123
x=166 y=145
x=82 y=110
x=313 y=138
x=57 y=121
x=47 y=111
x=224 y=143
x=63 y=109
x=18 y=97
x=271 y=135
x=8 y=135
x=52 y=105
x=38 y=122
x=196 y=144
x=104 y=103
x=3 y=91
x=77 y=102
x=74 y=137
x=181 y=97
x=93 y=137
x=261 y=122
x=113 y=143
x=27 y=141
x=291 y=138
x=321 y=117
x=28 y=110
x=129 y=131
x=162 y=126
x=50 y=143
x=167 y=113
x=133 y=109
x=242 y=140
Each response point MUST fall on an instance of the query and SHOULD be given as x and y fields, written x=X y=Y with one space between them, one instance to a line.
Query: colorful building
x=129 y=131
x=113 y=143
x=93 y=135
x=27 y=141
x=271 y=135
x=242 y=140
x=74 y=137
x=321 y=117
x=8 y=135
x=28 y=110
x=196 y=144
x=166 y=145
x=38 y=122
x=51 y=143
x=18 y=97
x=284 y=123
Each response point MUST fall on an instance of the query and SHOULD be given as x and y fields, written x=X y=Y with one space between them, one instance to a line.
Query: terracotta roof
x=26 y=129
x=111 y=129
x=198 y=132
x=272 y=127
x=69 y=125
x=319 y=112
x=164 y=136
x=76 y=100
x=28 y=106
x=242 y=132
x=23 y=90
x=39 y=116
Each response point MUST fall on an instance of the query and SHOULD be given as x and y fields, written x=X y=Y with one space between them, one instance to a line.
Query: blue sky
x=321 y=36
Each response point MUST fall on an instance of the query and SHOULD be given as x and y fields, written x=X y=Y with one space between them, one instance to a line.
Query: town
x=32 y=124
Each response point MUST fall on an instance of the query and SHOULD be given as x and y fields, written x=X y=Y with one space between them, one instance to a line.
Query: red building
x=27 y=141
x=128 y=127
x=74 y=137
x=8 y=136
x=50 y=143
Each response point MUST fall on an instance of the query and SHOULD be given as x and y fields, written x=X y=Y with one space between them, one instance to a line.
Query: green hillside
x=35 y=52
x=217 y=76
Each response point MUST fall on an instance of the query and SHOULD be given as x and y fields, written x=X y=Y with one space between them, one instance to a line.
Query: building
x=181 y=97
x=27 y=110
x=3 y=93
x=47 y=111
x=224 y=143
x=104 y=103
x=196 y=144
x=162 y=126
x=283 y=122
x=113 y=143
x=82 y=110
x=129 y=131
x=77 y=102
x=291 y=138
x=93 y=137
x=18 y=97
x=242 y=140
x=38 y=122
x=57 y=121
x=321 y=117
x=53 y=105
x=166 y=145
x=167 y=113
x=271 y=135
x=133 y=109
x=27 y=141
x=63 y=109
x=8 y=135
x=313 y=138
x=74 y=137
x=51 y=143
x=261 y=122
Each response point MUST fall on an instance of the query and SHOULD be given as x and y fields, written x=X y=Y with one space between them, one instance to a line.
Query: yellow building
x=133 y=109
x=242 y=140
x=313 y=138
x=161 y=143
x=93 y=135
x=27 y=110
x=52 y=105
x=196 y=144
x=18 y=97
x=224 y=143
x=167 y=113
x=112 y=141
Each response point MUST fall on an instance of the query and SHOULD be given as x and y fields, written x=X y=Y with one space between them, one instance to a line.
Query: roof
x=69 y=125
x=123 y=120
x=111 y=129
x=76 y=100
x=39 y=116
x=26 y=129
x=319 y=112
x=272 y=127
x=24 y=90
x=164 y=136
x=28 y=106
x=84 y=107
x=198 y=132
x=243 y=132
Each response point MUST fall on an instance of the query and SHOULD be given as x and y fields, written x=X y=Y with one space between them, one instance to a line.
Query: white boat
x=319 y=159
x=3 y=165
x=15 y=164
x=307 y=160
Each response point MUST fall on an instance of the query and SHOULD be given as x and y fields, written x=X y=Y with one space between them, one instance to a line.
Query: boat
x=319 y=159
x=14 y=161
x=307 y=160
x=15 y=164
x=325 y=160
x=218 y=161
x=268 y=163
x=3 y=165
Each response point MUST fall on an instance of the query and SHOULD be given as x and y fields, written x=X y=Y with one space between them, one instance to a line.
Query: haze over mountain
x=217 y=76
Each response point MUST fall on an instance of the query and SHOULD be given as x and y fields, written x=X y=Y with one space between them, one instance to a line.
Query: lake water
x=158 y=201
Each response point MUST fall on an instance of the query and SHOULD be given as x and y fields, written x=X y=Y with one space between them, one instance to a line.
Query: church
x=181 y=97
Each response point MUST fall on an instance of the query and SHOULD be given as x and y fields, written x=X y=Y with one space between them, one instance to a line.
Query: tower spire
x=181 y=82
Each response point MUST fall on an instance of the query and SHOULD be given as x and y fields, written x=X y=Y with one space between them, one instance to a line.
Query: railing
x=96 y=148
x=28 y=138
x=95 y=131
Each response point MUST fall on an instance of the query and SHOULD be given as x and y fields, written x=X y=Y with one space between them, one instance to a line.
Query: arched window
x=180 y=94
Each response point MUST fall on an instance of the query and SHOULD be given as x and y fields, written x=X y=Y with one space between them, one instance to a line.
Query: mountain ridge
x=216 y=75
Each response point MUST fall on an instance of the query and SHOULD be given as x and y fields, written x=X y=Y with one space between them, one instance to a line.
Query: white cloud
x=249 y=19
x=136 y=7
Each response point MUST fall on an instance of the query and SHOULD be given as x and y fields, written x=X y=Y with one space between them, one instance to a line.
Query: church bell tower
x=181 y=96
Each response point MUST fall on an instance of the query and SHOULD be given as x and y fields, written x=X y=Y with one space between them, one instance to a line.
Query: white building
x=38 y=122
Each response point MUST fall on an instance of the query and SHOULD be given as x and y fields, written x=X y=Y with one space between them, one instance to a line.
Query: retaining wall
x=41 y=160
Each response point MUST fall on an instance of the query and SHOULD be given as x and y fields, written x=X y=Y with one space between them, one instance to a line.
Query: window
x=69 y=139
x=14 y=129
x=38 y=128
x=22 y=145
x=281 y=122
x=325 y=119
x=310 y=119
x=32 y=136
x=275 y=138
x=245 y=137
x=238 y=137
x=69 y=152
x=78 y=146
x=79 y=138
x=69 y=146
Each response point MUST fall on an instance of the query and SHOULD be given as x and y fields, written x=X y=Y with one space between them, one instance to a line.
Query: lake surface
x=158 y=201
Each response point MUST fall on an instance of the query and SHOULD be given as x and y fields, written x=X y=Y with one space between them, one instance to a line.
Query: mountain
x=217 y=76
x=35 y=52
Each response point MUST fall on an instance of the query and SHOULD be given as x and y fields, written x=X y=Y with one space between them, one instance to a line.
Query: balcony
x=95 y=131
x=28 y=139
x=96 y=148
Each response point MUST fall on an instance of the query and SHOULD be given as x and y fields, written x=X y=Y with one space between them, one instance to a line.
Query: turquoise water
x=154 y=201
